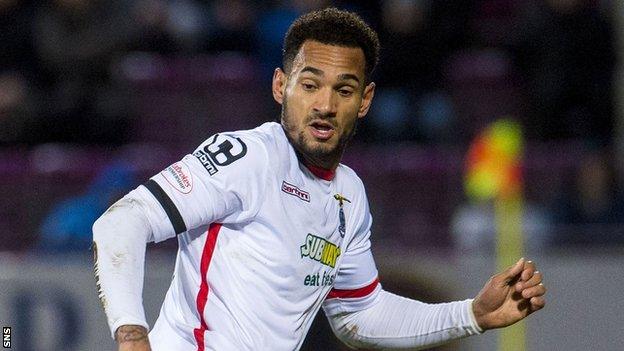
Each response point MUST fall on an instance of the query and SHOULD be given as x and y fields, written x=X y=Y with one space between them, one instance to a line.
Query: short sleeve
x=221 y=181
x=357 y=284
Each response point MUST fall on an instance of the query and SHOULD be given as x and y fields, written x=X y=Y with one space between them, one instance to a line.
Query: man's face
x=322 y=98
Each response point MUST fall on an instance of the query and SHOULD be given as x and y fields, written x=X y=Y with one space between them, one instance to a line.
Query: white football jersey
x=264 y=242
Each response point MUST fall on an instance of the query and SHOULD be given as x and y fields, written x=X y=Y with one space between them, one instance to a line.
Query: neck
x=326 y=173
x=329 y=162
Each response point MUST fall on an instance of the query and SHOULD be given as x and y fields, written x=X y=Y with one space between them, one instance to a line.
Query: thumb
x=514 y=270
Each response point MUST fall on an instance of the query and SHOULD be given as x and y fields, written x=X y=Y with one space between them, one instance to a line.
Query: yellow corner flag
x=493 y=173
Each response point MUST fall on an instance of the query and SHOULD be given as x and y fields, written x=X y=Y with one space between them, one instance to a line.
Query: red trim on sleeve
x=353 y=293
x=202 y=295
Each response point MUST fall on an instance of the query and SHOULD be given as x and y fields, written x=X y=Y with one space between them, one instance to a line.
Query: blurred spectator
x=76 y=40
x=491 y=21
x=188 y=22
x=151 y=18
x=67 y=227
x=16 y=39
x=410 y=104
x=411 y=57
x=18 y=68
x=271 y=28
x=566 y=50
x=232 y=27
x=483 y=87
x=447 y=68
x=588 y=210
x=18 y=124
x=474 y=227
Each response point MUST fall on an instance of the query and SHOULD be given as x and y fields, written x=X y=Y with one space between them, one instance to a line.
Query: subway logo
x=320 y=250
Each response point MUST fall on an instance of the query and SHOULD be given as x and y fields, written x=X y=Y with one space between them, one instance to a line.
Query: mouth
x=321 y=130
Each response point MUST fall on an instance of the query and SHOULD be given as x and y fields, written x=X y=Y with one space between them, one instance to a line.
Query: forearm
x=395 y=322
x=119 y=241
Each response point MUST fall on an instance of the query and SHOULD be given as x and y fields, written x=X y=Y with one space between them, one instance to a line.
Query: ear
x=278 y=85
x=367 y=98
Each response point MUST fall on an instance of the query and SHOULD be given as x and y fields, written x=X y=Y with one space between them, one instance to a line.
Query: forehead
x=329 y=58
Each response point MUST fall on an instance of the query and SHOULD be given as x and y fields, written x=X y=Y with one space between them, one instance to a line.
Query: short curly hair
x=334 y=27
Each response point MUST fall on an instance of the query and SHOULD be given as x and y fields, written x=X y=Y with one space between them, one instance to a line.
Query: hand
x=509 y=296
x=132 y=338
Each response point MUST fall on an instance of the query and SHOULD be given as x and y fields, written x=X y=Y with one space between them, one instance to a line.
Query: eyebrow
x=347 y=76
x=318 y=72
x=313 y=70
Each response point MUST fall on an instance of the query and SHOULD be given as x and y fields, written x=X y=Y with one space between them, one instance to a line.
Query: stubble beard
x=320 y=154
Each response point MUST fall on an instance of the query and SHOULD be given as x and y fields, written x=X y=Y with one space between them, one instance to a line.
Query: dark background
x=97 y=96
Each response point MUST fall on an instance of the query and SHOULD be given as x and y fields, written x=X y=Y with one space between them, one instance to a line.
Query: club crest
x=342 y=227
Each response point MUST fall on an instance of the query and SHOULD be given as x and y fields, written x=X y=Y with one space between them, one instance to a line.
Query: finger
x=537 y=303
x=527 y=272
x=538 y=290
x=510 y=273
x=536 y=279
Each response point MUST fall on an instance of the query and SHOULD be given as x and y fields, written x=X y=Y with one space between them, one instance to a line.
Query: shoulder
x=261 y=136
x=350 y=180
x=358 y=212
x=236 y=149
x=352 y=187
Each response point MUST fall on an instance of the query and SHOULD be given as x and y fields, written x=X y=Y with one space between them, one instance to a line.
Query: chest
x=306 y=228
x=303 y=208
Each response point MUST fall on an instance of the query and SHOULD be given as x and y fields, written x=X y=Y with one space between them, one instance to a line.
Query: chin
x=317 y=148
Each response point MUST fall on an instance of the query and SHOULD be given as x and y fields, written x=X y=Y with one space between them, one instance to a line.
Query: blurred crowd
x=447 y=69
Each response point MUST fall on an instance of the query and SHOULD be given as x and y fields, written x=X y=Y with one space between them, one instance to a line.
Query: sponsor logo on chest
x=295 y=191
x=325 y=252
x=320 y=250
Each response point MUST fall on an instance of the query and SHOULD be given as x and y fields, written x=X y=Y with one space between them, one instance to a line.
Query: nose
x=325 y=103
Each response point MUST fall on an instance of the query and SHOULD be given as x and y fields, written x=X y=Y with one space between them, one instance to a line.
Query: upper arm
x=222 y=181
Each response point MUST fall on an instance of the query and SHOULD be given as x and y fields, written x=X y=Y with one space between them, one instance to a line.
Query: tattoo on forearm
x=130 y=333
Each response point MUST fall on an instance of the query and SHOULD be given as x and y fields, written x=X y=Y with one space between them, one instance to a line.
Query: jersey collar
x=325 y=174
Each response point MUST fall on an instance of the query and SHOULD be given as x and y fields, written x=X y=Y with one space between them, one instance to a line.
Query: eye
x=308 y=86
x=345 y=92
